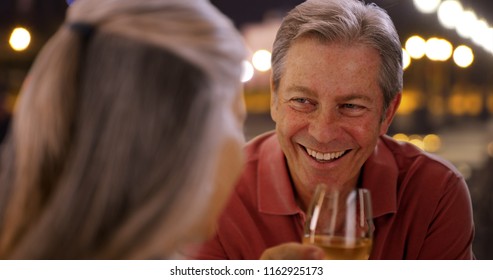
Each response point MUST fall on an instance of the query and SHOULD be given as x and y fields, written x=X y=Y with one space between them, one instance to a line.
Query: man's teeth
x=324 y=156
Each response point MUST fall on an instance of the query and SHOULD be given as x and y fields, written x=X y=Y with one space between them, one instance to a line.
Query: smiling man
x=336 y=85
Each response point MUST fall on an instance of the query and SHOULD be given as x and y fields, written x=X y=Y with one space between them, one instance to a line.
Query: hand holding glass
x=340 y=223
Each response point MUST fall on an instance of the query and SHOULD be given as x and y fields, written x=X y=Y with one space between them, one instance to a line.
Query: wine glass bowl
x=340 y=223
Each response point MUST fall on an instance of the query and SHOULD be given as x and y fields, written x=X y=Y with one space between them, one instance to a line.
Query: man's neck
x=304 y=194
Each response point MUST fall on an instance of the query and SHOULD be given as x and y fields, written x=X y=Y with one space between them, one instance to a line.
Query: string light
x=452 y=15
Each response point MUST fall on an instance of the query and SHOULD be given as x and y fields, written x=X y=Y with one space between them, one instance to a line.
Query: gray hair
x=345 y=21
x=116 y=130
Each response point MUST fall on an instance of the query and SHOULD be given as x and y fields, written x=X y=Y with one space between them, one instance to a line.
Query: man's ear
x=273 y=100
x=390 y=113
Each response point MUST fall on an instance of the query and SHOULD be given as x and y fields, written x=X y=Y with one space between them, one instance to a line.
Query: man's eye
x=352 y=106
x=301 y=100
x=352 y=110
x=302 y=104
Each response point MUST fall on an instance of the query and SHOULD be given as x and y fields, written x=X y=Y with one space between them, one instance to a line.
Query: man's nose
x=326 y=125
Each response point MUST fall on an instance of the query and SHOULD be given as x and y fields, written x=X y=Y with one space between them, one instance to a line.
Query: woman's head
x=121 y=129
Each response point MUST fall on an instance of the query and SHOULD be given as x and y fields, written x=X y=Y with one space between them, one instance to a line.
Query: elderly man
x=336 y=85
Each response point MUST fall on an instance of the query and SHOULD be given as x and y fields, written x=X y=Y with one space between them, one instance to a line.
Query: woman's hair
x=347 y=22
x=114 y=132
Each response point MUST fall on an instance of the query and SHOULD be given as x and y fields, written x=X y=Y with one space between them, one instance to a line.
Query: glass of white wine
x=341 y=223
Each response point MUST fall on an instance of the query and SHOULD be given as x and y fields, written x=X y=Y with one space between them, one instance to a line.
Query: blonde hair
x=114 y=130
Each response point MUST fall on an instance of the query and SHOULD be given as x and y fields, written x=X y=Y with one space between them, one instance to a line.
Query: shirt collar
x=275 y=188
x=380 y=175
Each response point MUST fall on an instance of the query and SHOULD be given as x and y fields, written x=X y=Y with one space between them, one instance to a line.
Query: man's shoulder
x=256 y=145
x=255 y=152
x=408 y=156
x=265 y=170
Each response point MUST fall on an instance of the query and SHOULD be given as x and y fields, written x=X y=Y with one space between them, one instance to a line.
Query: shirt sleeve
x=451 y=231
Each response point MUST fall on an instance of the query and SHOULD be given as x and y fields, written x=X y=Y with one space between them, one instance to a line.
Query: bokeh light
x=449 y=13
x=473 y=103
x=456 y=104
x=261 y=60
x=467 y=24
x=406 y=59
x=479 y=31
x=247 y=74
x=417 y=141
x=410 y=101
x=20 y=39
x=401 y=137
x=416 y=47
x=427 y=6
x=438 y=49
x=432 y=143
x=463 y=56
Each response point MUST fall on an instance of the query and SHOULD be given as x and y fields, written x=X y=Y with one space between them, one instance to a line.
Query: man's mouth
x=325 y=157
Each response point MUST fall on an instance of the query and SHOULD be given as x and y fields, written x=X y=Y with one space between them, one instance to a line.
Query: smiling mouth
x=325 y=157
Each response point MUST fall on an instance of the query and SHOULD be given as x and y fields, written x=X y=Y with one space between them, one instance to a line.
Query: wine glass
x=340 y=223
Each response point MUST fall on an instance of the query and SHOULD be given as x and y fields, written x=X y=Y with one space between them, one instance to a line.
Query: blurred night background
x=447 y=105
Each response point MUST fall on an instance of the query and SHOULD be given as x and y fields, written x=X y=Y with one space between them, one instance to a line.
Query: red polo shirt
x=421 y=205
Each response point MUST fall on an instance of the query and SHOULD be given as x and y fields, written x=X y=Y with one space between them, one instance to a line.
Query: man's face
x=328 y=112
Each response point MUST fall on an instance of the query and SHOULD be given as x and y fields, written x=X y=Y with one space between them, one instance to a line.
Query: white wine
x=340 y=248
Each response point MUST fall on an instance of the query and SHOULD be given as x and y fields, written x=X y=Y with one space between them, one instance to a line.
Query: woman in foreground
x=127 y=135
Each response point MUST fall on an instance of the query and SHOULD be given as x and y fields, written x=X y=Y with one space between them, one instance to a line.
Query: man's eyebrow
x=356 y=96
x=343 y=98
x=296 y=88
